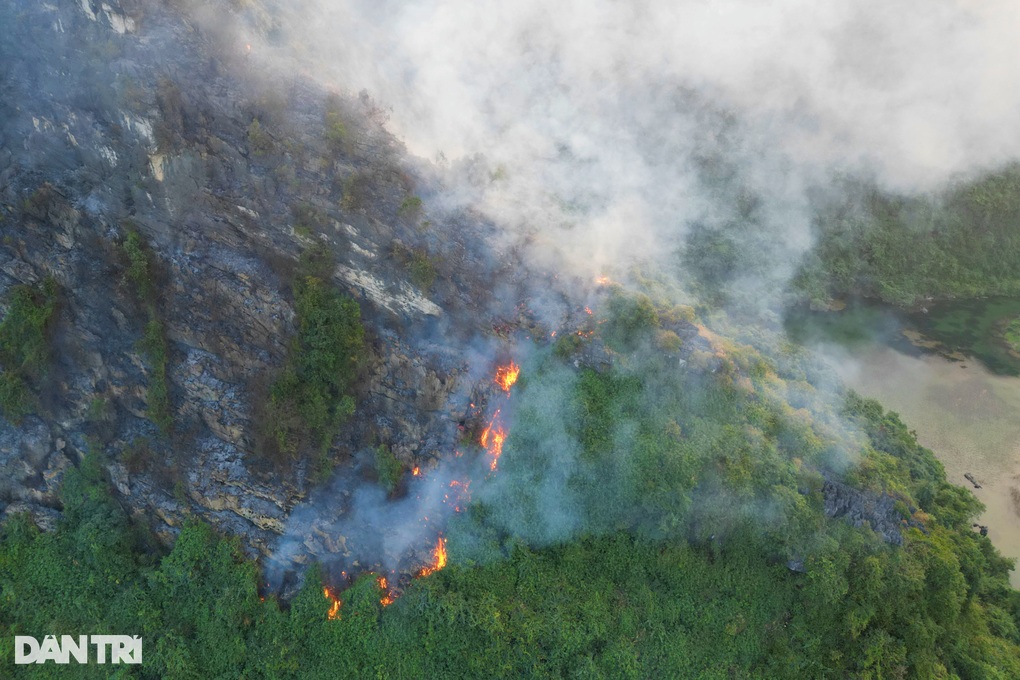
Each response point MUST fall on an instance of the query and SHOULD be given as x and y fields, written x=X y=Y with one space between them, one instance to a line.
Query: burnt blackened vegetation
x=170 y=129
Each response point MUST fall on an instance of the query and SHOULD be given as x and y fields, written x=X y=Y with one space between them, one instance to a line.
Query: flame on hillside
x=334 y=607
x=492 y=440
x=507 y=375
x=388 y=597
x=438 y=558
x=460 y=492
x=456 y=495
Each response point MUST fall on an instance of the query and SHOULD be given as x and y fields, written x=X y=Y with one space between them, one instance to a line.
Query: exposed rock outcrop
x=162 y=141
x=862 y=508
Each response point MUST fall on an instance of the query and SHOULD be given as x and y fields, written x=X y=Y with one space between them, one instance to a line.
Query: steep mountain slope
x=244 y=332
x=131 y=135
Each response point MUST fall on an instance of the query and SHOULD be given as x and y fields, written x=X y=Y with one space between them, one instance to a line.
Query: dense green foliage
x=630 y=317
x=1011 y=334
x=611 y=605
x=387 y=467
x=730 y=453
x=963 y=243
x=140 y=275
x=25 y=352
x=312 y=395
x=641 y=524
x=154 y=345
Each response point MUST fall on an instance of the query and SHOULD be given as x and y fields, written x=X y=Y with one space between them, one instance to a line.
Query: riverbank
x=950 y=376
x=965 y=414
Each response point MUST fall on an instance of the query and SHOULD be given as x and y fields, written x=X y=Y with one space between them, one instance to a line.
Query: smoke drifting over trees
x=609 y=128
x=530 y=375
x=697 y=143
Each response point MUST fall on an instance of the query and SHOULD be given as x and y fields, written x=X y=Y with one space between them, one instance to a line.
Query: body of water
x=952 y=380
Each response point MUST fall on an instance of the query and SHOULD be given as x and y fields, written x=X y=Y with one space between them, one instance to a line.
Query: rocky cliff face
x=120 y=116
x=142 y=117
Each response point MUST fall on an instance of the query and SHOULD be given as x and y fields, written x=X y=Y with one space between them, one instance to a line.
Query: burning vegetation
x=494 y=435
x=507 y=375
x=460 y=493
x=456 y=495
x=388 y=596
x=439 y=558
x=492 y=440
x=334 y=607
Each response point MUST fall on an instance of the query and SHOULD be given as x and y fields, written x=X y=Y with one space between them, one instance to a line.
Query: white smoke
x=600 y=132
x=594 y=116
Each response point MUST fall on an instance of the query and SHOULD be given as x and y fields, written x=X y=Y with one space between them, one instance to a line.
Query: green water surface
x=974 y=328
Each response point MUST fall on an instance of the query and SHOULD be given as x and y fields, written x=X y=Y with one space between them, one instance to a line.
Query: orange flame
x=438 y=559
x=387 y=599
x=506 y=376
x=492 y=440
x=461 y=493
x=334 y=608
x=602 y=280
x=416 y=471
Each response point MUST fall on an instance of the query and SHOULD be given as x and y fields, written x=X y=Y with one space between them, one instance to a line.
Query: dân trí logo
x=108 y=649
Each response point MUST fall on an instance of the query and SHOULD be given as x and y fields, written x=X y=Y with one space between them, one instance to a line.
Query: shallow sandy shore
x=969 y=417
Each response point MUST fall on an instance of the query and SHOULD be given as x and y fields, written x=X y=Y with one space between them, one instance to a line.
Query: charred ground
x=241 y=322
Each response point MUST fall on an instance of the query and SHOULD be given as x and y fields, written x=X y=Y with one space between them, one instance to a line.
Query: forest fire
x=334 y=608
x=507 y=375
x=438 y=559
x=456 y=495
x=492 y=440
x=460 y=492
x=388 y=597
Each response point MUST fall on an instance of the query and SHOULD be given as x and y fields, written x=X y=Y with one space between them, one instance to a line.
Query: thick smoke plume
x=605 y=135
x=608 y=128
